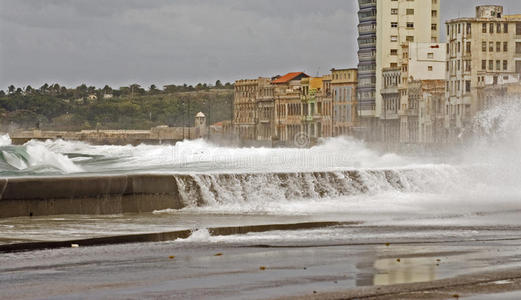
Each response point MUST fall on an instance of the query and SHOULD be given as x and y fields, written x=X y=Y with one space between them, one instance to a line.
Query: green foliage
x=56 y=107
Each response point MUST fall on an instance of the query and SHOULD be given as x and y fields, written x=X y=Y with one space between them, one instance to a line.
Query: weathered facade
x=288 y=105
x=431 y=116
x=485 y=46
x=245 y=108
x=384 y=26
x=344 y=84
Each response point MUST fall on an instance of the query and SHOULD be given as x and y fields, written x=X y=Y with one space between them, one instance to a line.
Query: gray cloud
x=175 y=41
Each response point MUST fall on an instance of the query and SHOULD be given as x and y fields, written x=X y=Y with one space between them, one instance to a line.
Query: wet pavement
x=260 y=266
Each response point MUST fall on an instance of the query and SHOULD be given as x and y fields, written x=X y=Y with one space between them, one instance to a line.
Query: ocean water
x=339 y=176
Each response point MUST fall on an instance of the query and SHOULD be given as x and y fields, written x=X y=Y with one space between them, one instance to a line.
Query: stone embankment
x=87 y=195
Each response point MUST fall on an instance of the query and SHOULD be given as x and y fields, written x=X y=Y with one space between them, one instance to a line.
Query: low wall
x=87 y=195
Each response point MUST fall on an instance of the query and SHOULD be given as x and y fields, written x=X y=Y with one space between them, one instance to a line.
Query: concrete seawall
x=87 y=195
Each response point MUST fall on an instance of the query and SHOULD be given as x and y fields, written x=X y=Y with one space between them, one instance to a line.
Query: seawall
x=118 y=194
x=87 y=195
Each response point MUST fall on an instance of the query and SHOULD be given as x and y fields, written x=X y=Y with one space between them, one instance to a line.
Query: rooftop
x=289 y=77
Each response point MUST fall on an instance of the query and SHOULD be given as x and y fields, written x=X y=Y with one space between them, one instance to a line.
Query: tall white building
x=384 y=27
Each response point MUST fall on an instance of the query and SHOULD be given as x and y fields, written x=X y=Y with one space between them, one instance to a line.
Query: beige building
x=384 y=26
x=421 y=62
x=254 y=114
x=245 y=108
x=484 y=47
x=431 y=113
x=344 y=96
x=287 y=93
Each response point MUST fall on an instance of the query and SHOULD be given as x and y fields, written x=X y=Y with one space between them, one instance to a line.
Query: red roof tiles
x=289 y=77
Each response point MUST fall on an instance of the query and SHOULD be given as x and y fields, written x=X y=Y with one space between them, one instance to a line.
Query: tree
x=218 y=84
x=153 y=90
x=2 y=93
x=107 y=90
x=55 y=88
x=81 y=91
x=11 y=89
x=19 y=91
x=29 y=90
x=44 y=88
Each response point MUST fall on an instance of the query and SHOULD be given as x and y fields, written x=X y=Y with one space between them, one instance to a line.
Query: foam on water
x=339 y=175
x=33 y=158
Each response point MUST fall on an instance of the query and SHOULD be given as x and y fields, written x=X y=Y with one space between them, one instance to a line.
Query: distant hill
x=126 y=108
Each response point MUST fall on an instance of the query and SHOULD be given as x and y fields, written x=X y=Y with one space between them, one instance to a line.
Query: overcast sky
x=119 y=42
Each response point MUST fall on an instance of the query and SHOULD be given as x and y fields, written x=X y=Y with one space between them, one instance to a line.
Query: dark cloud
x=175 y=41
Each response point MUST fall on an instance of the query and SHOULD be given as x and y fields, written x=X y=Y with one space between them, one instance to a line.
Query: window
x=505 y=46
x=394 y=52
x=459 y=28
x=491 y=46
x=484 y=46
x=518 y=28
x=491 y=27
x=505 y=27
x=410 y=25
x=429 y=68
x=434 y=13
x=394 y=11
x=484 y=28
x=498 y=46
x=394 y=24
x=518 y=47
x=394 y=65
x=468 y=48
x=394 y=38
x=498 y=65
x=491 y=65
x=498 y=28
x=484 y=65
x=430 y=55
x=434 y=27
x=505 y=65
x=467 y=86
x=409 y=38
x=469 y=28
x=409 y=11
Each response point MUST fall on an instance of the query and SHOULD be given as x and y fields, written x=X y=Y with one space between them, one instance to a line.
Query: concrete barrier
x=87 y=195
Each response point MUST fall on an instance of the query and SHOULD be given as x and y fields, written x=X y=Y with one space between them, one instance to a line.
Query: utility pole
x=184 y=120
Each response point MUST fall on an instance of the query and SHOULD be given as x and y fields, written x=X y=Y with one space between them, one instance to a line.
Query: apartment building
x=287 y=93
x=421 y=63
x=245 y=108
x=384 y=26
x=343 y=85
x=480 y=48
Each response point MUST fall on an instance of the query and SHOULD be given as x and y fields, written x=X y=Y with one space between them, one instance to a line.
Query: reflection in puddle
x=406 y=270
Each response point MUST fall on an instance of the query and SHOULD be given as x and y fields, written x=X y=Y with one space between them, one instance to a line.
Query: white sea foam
x=484 y=176
x=5 y=140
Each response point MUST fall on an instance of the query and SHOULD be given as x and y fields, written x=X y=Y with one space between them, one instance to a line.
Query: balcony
x=366 y=3
x=307 y=118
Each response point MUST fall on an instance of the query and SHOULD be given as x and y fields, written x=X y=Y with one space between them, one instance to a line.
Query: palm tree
x=44 y=88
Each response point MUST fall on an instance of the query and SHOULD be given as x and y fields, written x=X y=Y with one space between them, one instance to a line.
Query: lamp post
x=184 y=121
